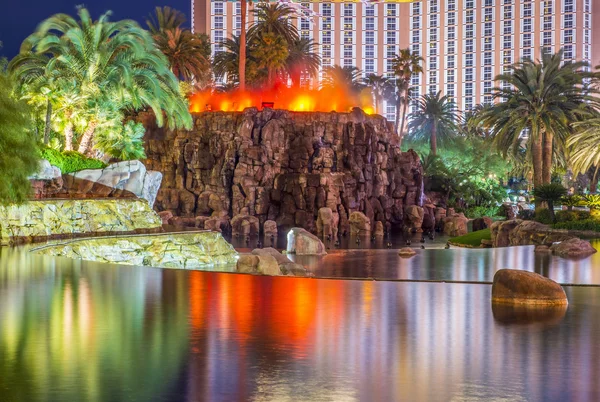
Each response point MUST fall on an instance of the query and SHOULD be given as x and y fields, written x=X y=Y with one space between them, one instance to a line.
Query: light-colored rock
x=379 y=230
x=180 y=250
x=360 y=224
x=413 y=218
x=573 y=248
x=267 y=264
x=302 y=242
x=46 y=171
x=512 y=286
x=246 y=225
x=406 y=252
x=270 y=228
x=247 y=264
x=130 y=176
x=456 y=225
x=286 y=266
x=55 y=217
x=517 y=232
x=327 y=222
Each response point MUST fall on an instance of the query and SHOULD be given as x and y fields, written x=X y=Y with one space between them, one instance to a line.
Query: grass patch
x=585 y=224
x=472 y=239
x=71 y=161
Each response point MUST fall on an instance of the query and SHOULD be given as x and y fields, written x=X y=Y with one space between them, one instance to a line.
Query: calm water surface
x=77 y=331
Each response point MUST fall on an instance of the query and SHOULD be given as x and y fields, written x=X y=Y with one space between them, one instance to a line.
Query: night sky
x=19 y=18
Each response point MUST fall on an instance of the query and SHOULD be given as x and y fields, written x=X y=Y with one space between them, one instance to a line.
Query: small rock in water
x=573 y=248
x=389 y=244
x=406 y=252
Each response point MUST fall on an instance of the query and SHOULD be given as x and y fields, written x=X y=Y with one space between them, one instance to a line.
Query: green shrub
x=566 y=216
x=544 y=216
x=472 y=239
x=70 y=161
x=526 y=214
x=586 y=224
x=479 y=212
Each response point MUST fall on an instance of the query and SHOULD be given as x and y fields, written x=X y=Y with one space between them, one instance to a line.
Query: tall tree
x=302 y=59
x=274 y=18
x=381 y=87
x=542 y=100
x=243 y=46
x=342 y=77
x=405 y=65
x=108 y=60
x=271 y=52
x=436 y=118
x=188 y=53
x=164 y=19
x=584 y=150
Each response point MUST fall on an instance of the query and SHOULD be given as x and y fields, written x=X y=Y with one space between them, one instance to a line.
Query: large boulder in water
x=263 y=264
x=302 y=242
x=455 y=225
x=327 y=222
x=573 y=248
x=286 y=266
x=360 y=224
x=512 y=286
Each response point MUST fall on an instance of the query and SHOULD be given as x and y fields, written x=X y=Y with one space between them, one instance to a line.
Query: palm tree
x=108 y=60
x=549 y=193
x=165 y=18
x=188 y=53
x=226 y=62
x=405 y=65
x=271 y=53
x=584 y=150
x=435 y=118
x=543 y=99
x=302 y=59
x=342 y=77
x=381 y=87
x=274 y=18
x=122 y=141
x=243 y=46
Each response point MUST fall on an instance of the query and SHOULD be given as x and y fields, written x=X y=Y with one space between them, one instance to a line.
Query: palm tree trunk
x=404 y=109
x=547 y=158
x=434 y=140
x=398 y=104
x=536 y=153
x=86 y=139
x=242 y=61
x=48 y=119
x=594 y=181
x=69 y=136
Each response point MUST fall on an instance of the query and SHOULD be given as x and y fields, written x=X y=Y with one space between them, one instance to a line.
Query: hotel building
x=464 y=43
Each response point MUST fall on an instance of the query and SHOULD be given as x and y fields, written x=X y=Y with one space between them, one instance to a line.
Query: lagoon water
x=80 y=331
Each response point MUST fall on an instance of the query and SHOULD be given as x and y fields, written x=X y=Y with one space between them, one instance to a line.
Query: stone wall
x=172 y=250
x=283 y=166
x=39 y=220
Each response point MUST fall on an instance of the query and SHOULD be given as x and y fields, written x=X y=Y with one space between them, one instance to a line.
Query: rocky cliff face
x=283 y=166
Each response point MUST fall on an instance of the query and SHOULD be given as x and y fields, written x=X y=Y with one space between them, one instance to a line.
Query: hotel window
x=326 y=37
x=326 y=24
x=390 y=52
x=416 y=23
x=370 y=24
x=391 y=24
x=416 y=38
x=547 y=38
x=547 y=7
x=527 y=10
x=327 y=51
x=369 y=66
x=390 y=10
x=433 y=35
x=218 y=7
x=568 y=36
x=326 y=9
x=389 y=65
x=451 y=19
x=487 y=45
x=487 y=58
x=469 y=102
x=218 y=22
x=348 y=38
x=416 y=49
x=391 y=38
x=433 y=20
x=433 y=63
x=238 y=8
x=487 y=87
x=586 y=6
x=305 y=24
x=488 y=14
x=451 y=33
x=527 y=24
x=369 y=10
x=370 y=38
x=450 y=76
x=370 y=51
x=469 y=89
x=469 y=4
x=487 y=74
x=586 y=36
x=507 y=57
x=348 y=51
x=415 y=79
x=348 y=23
x=348 y=10
x=527 y=54
x=547 y=23
x=527 y=40
x=568 y=52
x=469 y=45
x=469 y=17
x=508 y=27
x=488 y=3
x=508 y=13
x=451 y=5
x=469 y=31
x=348 y=63
x=416 y=8
x=507 y=42
x=468 y=74
x=450 y=46
x=433 y=77
x=433 y=6
x=568 y=21
x=488 y=29
x=432 y=49
x=219 y=35
x=450 y=90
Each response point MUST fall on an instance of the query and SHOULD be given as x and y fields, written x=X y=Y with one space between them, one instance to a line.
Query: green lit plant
x=571 y=201
x=550 y=193
x=592 y=201
x=125 y=142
